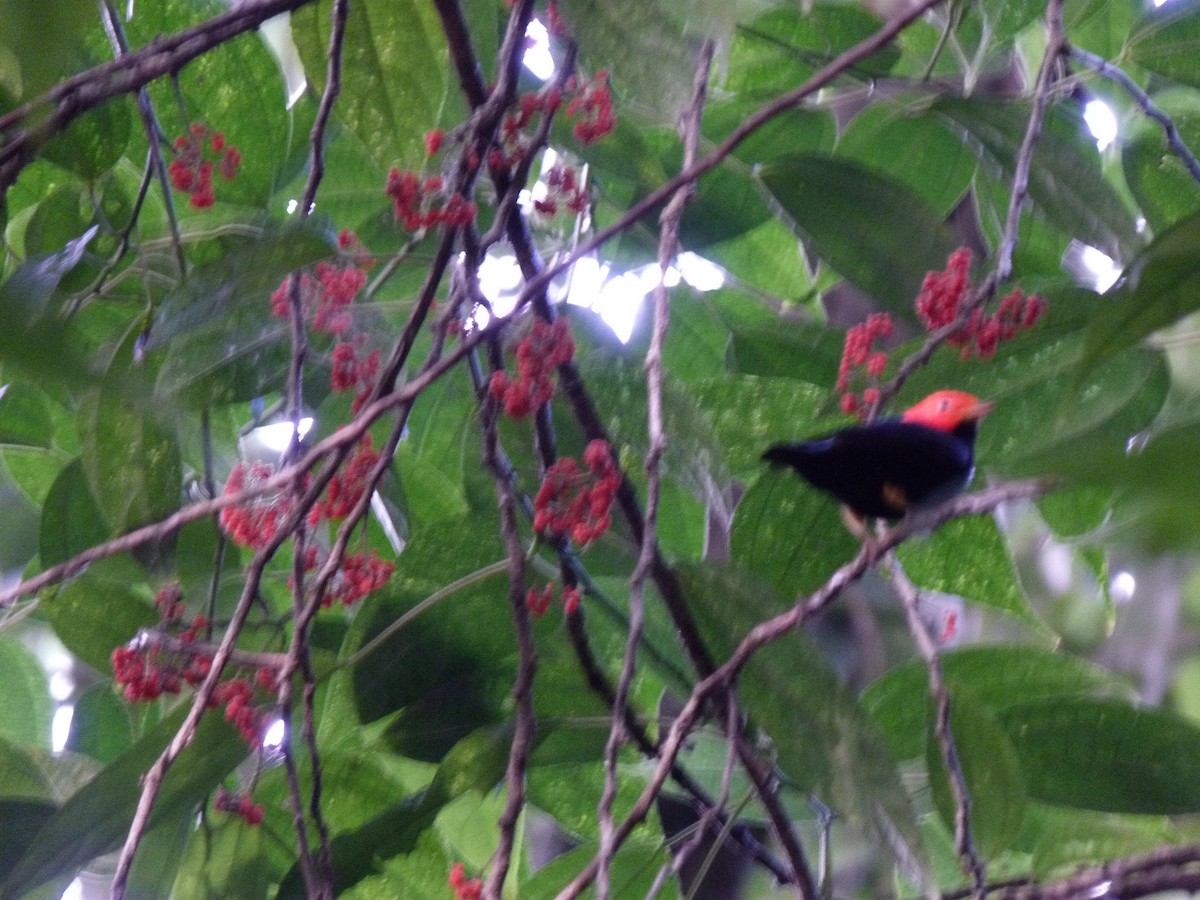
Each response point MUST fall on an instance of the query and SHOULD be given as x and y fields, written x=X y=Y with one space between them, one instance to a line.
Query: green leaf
x=20 y=821
x=224 y=861
x=71 y=521
x=872 y=230
x=824 y=742
x=784 y=46
x=25 y=713
x=1166 y=40
x=25 y=416
x=1163 y=187
x=253 y=117
x=395 y=74
x=913 y=147
x=998 y=677
x=789 y=534
x=101 y=609
x=1137 y=761
x=21 y=778
x=1161 y=286
x=130 y=456
x=1060 y=837
x=95 y=819
x=475 y=763
x=101 y=726
x=95 y=141
x=222 y=341
x=990 y=768
x=968 y=557
x=800 y=350
x=1066 y=184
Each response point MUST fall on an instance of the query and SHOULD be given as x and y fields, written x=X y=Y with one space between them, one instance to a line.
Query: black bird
x=885 y=469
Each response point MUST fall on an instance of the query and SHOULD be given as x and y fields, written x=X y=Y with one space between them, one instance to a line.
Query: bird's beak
x=978 y=410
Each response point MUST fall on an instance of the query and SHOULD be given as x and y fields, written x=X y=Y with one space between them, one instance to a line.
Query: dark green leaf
x=25 y=416
x=871 y=229
x=95 y=819
x=101 y=609
x=1163 y=187
x=998 y=677
x=71 y=521
x=223 y=861
x=1166 y=40
x=789 y=534
x=21 y=778
x=990 y=768
x=914 y=148
x=101 y=726
x=1065 y=181
x=782 y=47
x=475 y=763
x=130 y=456
x=1137 y=760
x=95 y=141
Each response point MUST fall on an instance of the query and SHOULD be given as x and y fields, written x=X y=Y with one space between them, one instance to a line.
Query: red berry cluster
x=352 y=371
x=358 y=575
x=325 y=296
x=539 y=353
x=238 y=696
x=142 y=675
x=575 y=503
x=418 y=203
x=169 y=601
x=238 y=805
x=537 y=602
x=196 y=153
x=464 y=888
x=592 y=104
x=514 y=143
x=562 y=186
x=253 y=524
x=859 y=353
x=346 y=487
x=942 y=294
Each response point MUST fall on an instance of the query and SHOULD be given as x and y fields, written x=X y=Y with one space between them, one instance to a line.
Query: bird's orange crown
x=946 y=410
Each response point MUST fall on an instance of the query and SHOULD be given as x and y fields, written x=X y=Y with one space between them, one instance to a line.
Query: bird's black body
x=884 y=469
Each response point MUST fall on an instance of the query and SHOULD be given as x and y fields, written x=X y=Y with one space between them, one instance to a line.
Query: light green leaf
x=1166 y=40
x=968 y=557
x=25 y=713
x=71 y=521
x=395 y=74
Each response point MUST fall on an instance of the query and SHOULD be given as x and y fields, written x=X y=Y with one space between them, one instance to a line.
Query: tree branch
x=1114 y=73
x=70 y=99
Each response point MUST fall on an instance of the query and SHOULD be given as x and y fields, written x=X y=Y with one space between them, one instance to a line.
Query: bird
x=892 y=467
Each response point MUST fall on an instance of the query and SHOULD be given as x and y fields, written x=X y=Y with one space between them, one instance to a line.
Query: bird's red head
x=946 y=410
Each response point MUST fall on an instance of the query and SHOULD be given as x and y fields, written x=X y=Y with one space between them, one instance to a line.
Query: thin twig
x=668 y=248
x=1002 y=268
x=1114 y=73
x=963 y=843
x=772 y=629
x=249 y=659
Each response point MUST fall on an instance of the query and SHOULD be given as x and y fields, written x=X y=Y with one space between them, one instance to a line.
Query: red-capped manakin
x=885 y=469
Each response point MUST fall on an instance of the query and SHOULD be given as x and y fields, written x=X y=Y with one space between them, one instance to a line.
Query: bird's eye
x=944 y=406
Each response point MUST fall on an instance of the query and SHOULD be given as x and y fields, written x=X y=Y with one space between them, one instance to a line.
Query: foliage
x=175 y=295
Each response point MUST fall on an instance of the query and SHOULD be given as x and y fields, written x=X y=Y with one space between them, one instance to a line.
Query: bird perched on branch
x=890 y=467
